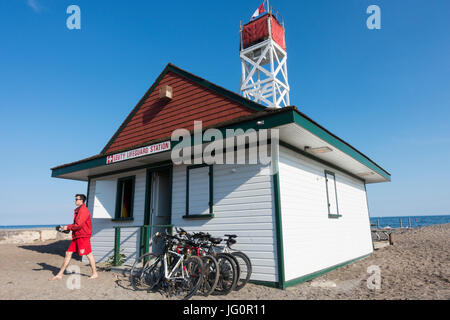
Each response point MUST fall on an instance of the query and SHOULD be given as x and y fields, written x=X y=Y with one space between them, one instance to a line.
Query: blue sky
x=63 y=93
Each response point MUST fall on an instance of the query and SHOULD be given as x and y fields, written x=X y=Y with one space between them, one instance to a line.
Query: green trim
x=265 y=283
x=339 y=144
x=120 y=181
x=87 y=192
x=148 y=190
x=146 y=166
x=270 y=121
x=202 y=82
x=79 y=166
x=166 y=165
x=334 y=216
x=145 y=231
x=199 y=216
x=116 y=246
x=211 y=192
x=279 y=230
x=310 y=276
x=122 y=219
x=170 y=195
x=211 y=189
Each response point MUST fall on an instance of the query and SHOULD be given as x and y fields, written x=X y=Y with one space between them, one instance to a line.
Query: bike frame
x=167 y=274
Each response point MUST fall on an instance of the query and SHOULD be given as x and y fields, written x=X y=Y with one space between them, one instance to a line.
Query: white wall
x=102 y=240
x=243 y=204
x=311 y=240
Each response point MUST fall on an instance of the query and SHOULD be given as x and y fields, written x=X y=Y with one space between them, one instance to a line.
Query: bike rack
x=144 y=242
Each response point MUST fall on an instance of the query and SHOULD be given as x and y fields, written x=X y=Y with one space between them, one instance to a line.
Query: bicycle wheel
x=245 y=268
x=227 y=274
x=211 y=276
x=193 y=276
x=146 y=272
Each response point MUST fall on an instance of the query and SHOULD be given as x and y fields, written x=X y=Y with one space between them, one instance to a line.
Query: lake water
x=416 y=221
x=393 y=222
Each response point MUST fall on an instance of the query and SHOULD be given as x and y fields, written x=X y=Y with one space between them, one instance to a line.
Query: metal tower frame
x=264 y=77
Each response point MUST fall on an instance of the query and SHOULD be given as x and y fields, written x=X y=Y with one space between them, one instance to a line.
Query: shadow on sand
x=56 y=248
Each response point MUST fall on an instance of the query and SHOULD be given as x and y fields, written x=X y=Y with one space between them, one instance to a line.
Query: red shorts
x=80 y=245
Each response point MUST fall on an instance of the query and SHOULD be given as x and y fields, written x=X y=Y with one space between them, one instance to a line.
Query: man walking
x=81 y=237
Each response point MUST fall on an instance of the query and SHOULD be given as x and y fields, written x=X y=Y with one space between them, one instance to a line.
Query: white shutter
x=331 y=189
x=198 y=190
x=105 y=199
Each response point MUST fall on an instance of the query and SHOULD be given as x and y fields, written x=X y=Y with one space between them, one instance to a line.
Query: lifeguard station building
x=307 y=217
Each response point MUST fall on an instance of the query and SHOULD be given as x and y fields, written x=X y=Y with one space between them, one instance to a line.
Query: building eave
x=272 y=118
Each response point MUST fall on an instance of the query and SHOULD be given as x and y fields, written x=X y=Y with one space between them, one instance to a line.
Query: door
x=159 y=205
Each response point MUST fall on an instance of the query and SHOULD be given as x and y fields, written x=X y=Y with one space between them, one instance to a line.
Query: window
x=199 y=191
x=330 y=181
x=124 y=199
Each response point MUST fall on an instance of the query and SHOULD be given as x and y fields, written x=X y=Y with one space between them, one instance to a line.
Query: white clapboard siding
x=311 y=240
x=103 y=235
x=243 y=204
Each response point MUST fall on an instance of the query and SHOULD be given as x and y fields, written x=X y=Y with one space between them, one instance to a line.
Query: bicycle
x=245 y=265
x=211 y=275
x=227 y=265
x=241 y=260
x=174 y=273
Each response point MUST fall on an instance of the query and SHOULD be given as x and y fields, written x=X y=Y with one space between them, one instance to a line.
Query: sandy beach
x=416 y=267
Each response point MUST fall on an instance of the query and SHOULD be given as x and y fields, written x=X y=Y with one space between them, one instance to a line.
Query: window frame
x=120 y=183
x=189 y=215
x=331 y=215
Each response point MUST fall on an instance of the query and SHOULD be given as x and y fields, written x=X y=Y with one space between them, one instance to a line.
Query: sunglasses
x=76 y=199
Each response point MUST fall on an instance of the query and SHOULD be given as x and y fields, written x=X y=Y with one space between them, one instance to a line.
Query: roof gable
x=193 y=99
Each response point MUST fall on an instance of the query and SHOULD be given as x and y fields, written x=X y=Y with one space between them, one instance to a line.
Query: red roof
x=193 y=99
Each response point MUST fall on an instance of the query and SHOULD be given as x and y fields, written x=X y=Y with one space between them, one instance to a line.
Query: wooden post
x=391 y=239
x=401 y=225
x=117 y=246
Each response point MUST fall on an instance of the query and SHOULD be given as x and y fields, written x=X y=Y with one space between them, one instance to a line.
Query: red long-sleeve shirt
x=82 y=225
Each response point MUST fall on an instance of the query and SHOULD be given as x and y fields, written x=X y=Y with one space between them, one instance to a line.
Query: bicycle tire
x=146 y=272
x=211 y=276
x=238 y=269
x=228 y=274
x=245 y=269
x=194 y=270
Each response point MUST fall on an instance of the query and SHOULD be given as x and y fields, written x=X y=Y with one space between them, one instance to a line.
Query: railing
x=144 y=241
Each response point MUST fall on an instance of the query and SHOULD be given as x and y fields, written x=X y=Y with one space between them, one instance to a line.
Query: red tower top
x=266 y=26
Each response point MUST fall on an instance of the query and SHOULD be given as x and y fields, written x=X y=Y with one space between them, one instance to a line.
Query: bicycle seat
x=231 y=236
x=215 y=240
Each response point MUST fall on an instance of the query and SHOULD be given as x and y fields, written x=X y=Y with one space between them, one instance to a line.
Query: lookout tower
x=264 y=77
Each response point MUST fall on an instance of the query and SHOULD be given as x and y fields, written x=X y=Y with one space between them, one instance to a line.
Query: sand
x=416 y=267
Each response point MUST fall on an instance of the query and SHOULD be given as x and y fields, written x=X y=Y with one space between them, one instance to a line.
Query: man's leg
x=91 y=259
x=66 y=262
